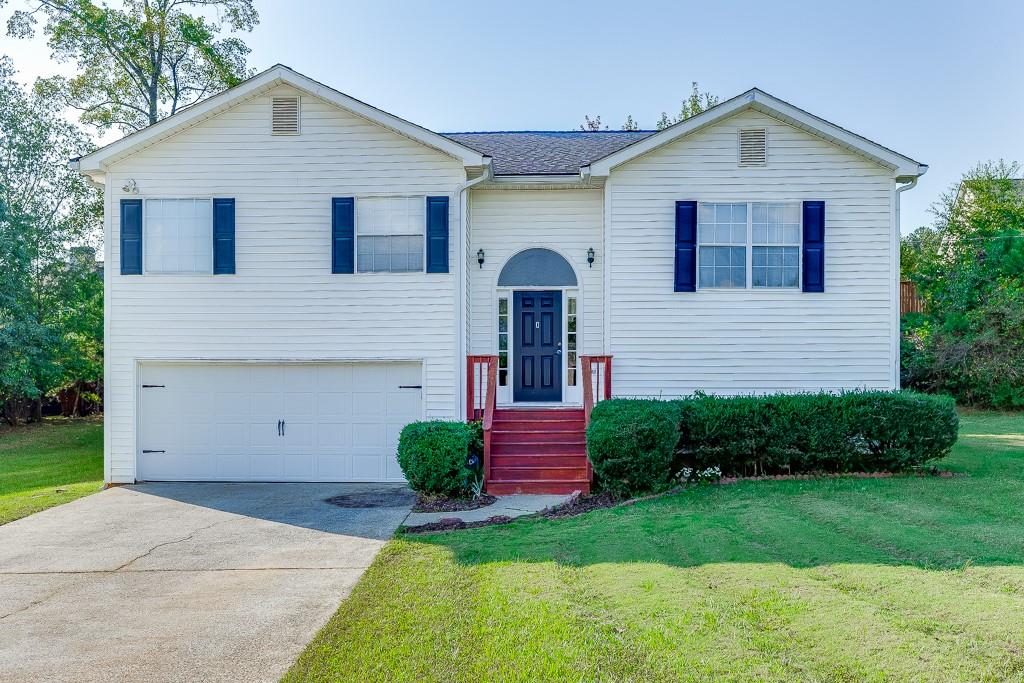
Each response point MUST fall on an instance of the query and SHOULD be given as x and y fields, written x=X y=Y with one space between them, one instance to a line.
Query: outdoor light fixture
x=590 y=257
x=480 y=257
x=131 y=187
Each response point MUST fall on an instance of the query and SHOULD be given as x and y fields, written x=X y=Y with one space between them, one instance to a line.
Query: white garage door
x=282 y=422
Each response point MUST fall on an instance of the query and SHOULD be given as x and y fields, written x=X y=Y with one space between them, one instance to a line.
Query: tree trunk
x=37 y=409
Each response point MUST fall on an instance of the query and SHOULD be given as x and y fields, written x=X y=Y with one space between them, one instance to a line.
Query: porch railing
x=597 y=381
x=597 y=386
x=482 y=397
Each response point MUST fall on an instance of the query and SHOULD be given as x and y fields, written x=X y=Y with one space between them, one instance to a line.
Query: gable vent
x=753 y=146
x=285 y=117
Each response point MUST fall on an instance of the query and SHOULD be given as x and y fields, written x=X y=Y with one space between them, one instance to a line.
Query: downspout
x=462 y=196
x=896 y=276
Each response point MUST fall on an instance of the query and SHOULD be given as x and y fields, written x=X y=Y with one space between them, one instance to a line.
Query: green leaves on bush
x=631 y=443
x=433 y=455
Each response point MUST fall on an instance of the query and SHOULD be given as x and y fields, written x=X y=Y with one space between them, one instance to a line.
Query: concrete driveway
x=184 y=582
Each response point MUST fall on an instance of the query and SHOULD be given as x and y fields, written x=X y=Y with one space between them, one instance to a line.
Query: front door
x=537 y=346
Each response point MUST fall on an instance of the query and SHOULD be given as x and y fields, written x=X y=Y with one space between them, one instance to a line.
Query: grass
x=47 y=464
x=903 y=579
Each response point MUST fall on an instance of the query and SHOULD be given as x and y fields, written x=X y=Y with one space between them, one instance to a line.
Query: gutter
x=897 y=236
x=462 y=196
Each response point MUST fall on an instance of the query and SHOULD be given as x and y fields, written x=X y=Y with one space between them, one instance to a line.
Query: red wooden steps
x=538 y=450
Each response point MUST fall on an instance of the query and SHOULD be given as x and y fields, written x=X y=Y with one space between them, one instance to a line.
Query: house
x=293 y=275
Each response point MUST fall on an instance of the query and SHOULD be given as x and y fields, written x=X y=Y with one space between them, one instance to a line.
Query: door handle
x=282 y=427
x=279 y=428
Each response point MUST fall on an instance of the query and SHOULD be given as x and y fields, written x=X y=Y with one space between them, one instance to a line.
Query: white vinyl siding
x=177 y=236
x=668 y=343
x=505 y=222
x=283 y=303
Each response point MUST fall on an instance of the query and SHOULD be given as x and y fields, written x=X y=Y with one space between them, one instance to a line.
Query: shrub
x=631 y=443
x=798 y=433
x=433 y=456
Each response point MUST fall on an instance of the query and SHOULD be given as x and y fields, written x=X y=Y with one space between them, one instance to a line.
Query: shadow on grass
x=930 y=523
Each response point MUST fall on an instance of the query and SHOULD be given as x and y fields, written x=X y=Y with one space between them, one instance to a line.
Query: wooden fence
x=910 y=301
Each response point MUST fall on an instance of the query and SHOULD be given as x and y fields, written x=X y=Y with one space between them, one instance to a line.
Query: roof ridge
x=521 y=132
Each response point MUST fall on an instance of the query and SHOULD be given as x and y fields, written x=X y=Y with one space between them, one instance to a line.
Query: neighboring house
x=293 y=275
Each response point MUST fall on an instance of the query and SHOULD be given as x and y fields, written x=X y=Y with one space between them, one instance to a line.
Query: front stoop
x=538 y=451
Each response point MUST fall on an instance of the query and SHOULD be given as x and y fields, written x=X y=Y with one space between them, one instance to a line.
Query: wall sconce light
x=131 y=187
x=590 y=257
x=480 y=257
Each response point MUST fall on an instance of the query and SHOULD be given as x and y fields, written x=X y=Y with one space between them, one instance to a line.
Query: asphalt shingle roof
x=546 y=152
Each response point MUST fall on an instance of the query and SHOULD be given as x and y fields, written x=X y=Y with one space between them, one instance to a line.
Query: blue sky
x=939 y=81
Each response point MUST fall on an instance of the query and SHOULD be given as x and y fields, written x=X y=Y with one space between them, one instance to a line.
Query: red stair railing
x=597 y=386
x=481 y=398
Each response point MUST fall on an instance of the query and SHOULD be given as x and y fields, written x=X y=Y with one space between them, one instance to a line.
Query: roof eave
x=279 y=74
x=901 y=166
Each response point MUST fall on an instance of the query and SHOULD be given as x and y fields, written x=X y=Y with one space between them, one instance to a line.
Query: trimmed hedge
x=776 y=434
x=433 y=456
x=631 y=444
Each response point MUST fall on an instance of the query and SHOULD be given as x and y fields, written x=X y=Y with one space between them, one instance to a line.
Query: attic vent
x=753 y=147
x=285 y=118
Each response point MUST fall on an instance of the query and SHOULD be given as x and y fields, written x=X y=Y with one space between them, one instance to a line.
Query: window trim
x=145 y=239
x=749 y=245
x=356 y=235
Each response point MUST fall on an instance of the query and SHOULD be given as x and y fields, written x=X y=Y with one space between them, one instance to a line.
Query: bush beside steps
x=639 y=446
x=435 y=457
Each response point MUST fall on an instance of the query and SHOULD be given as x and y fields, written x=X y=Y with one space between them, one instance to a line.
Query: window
x=389 y=234
x=571 y=361
x=722 y=239
x=775 y=251
x=178 y=236
x=755 y=244
x=503 y=341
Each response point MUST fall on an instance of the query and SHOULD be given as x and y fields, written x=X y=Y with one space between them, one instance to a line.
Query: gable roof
x=278 y=74
x=546 y=152
x=903 y=167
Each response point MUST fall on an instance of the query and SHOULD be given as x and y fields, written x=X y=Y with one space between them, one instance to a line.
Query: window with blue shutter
x=437 y=234
x=131 y=237
x=814 y=247
x=686 y=247
x=343 y=234
x=223 y=236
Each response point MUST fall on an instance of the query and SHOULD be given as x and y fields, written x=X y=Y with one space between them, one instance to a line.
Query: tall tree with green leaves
x=694 y=104
x=141 y=62
x=48 y=302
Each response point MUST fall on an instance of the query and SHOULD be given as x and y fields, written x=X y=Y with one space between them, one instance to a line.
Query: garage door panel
x=219 y=421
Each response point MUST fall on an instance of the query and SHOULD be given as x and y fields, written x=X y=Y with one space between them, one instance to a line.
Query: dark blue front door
x=537 y=346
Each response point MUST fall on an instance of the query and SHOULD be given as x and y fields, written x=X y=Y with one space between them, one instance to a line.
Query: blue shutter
x=131 y=237
x=686 y=247
x=437 y=234
x=343 y=235
x=223 y=236
x=814 y=247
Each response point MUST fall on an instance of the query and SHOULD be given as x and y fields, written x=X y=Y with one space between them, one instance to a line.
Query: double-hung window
x=389 y=234
x=178 y=236
x=744 y=245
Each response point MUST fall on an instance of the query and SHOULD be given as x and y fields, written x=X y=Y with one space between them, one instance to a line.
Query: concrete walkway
x=515 y=505
x=183 y=582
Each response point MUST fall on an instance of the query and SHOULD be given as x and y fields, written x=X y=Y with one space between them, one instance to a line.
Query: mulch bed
x=453 y=523
x=577 y=505
x=441 y=504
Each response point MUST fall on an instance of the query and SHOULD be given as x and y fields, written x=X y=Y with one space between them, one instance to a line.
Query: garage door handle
x=152 y=386
x=279 y=428
x=149 y=451
x=410 y=386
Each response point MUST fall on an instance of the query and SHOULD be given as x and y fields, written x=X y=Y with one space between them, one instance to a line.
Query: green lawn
x=904 y=579
x=46 y=464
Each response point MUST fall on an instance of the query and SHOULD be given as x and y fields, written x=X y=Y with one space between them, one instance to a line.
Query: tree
x=46 y=208
x=591 y=124
x=915 y=247
x=970 y=272
x=140 y=63
x=694 y=104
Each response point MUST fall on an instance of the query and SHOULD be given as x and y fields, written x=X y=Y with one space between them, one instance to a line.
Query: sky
x=940 y=81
